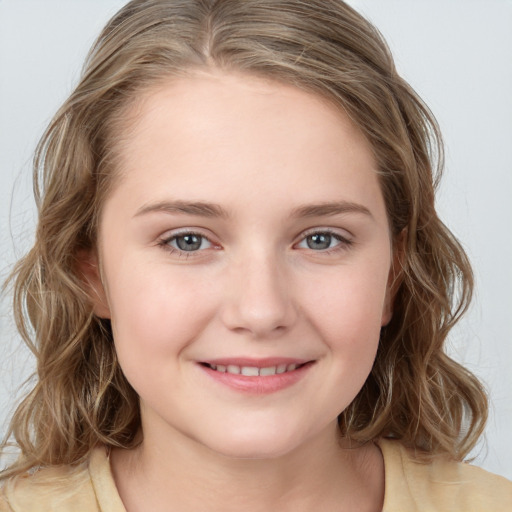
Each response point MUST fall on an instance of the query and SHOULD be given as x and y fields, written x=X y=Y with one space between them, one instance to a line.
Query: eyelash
x=343 y=245
x=165 y=242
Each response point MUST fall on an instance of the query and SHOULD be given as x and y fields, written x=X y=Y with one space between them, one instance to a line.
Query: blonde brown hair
x=415 y=392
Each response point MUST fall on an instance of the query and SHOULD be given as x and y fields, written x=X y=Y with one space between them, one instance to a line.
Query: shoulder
x=59 y=489
x=440 y=485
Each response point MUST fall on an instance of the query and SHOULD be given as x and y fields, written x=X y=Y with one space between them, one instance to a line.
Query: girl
x=240 y=289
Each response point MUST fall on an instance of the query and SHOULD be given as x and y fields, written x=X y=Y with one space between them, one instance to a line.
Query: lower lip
x=258 y=385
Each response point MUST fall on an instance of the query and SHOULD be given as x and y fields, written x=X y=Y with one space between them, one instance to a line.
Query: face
x=245 y=263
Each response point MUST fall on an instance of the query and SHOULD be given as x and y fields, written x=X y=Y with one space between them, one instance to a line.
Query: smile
x=257 y=377
x=254 y=371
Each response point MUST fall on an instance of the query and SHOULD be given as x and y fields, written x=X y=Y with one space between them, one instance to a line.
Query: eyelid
x=338 y=232
x=165 y=239
x=345 y=242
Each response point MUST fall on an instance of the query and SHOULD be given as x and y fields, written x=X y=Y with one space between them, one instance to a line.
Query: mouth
x=257 y=377
x=256 y=371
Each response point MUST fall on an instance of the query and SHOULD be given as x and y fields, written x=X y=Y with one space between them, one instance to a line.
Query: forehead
x=202 y=100
x=240 y=133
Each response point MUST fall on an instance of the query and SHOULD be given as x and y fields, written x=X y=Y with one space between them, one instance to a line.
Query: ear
x=394 y=277
x=89 y=271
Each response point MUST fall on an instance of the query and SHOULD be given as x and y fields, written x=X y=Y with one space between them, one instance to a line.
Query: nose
x=258 y=298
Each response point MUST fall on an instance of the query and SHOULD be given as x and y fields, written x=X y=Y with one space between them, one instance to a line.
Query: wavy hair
x=415 y=392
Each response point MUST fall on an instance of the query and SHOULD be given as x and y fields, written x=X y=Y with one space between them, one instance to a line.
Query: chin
x=254 y=444
x=254 y=451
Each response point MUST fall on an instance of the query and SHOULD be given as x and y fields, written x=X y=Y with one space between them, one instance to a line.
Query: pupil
x=188 y=242
x=319 y=241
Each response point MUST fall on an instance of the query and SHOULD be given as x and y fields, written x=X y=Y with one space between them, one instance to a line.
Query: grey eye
x=319 y=241
x=189 y=242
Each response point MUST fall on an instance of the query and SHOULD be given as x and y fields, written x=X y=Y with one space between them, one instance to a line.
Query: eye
x=323 y=241
x=188 y=242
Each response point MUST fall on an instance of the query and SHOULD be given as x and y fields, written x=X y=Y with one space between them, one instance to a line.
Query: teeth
x=233 y=369
x=281 y=368
x=253 y=371
x=250 y=371
x=271 y=370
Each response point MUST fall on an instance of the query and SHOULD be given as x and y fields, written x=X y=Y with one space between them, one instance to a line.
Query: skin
x=254 y=288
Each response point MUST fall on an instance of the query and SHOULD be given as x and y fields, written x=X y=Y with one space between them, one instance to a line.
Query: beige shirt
x=410 y=487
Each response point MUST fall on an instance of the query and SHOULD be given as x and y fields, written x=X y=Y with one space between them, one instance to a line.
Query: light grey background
x=456 y=53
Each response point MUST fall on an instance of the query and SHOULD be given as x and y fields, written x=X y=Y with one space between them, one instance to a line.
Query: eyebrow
x=199 y=208
x=212 y=210
x=330 y=208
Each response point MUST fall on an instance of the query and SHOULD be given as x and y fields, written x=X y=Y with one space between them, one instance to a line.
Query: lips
x=254 y=371
x=257 y=376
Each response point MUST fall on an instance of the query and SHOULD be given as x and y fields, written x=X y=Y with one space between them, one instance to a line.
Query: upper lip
x=265 y=362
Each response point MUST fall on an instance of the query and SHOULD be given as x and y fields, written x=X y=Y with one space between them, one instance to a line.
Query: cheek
x=347 y=313
x=156 y=310
x=347 y=305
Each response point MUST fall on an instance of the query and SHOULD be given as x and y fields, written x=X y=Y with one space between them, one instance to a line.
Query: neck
x=189 y=475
